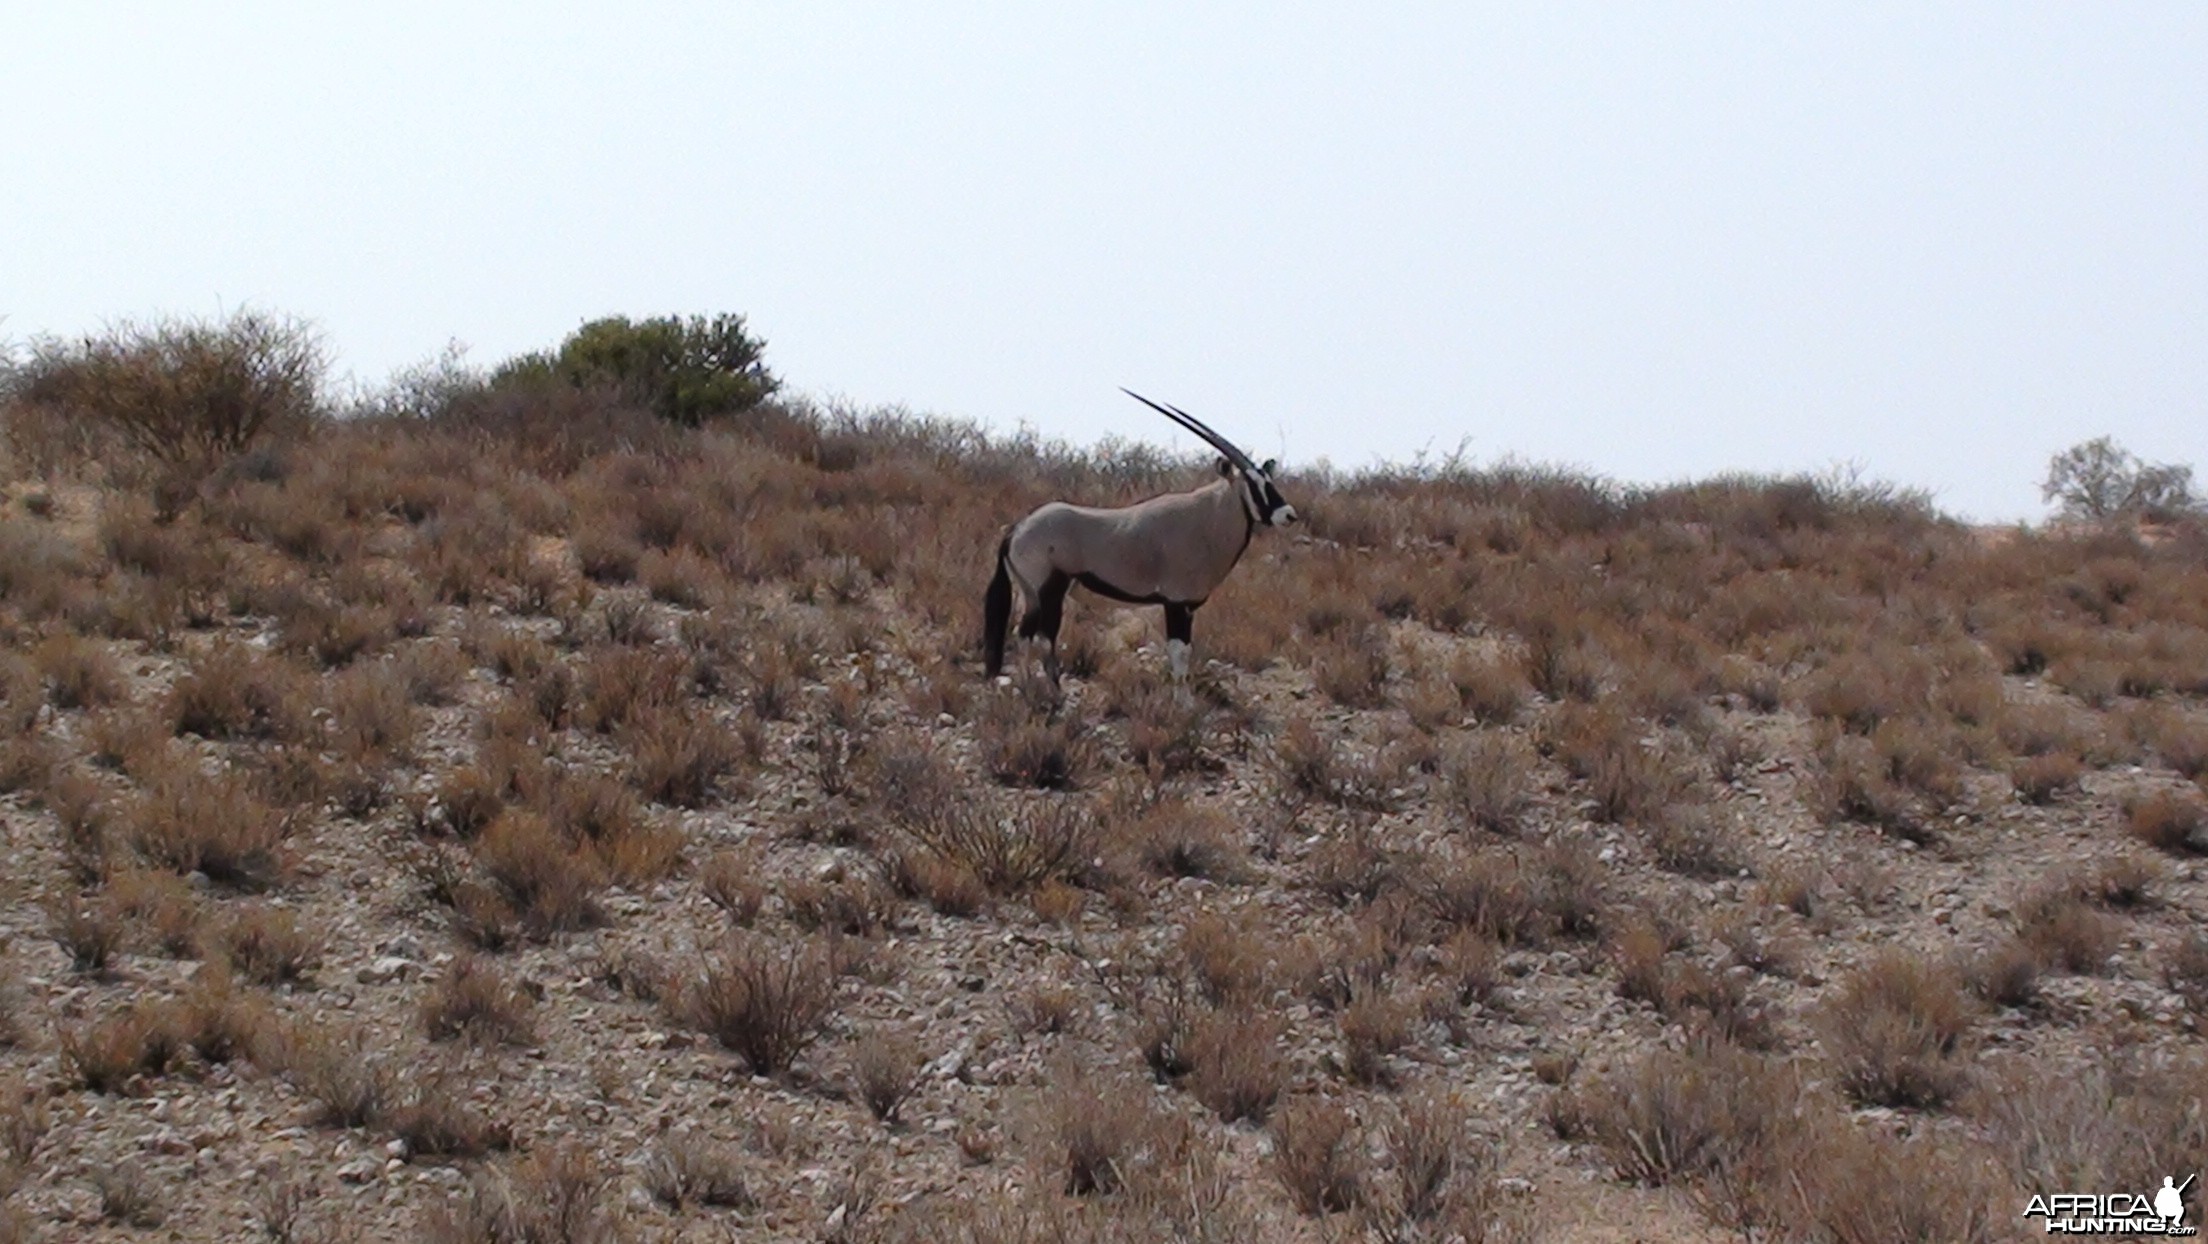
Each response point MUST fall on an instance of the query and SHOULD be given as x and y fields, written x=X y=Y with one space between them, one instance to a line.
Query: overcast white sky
x=1939 y=240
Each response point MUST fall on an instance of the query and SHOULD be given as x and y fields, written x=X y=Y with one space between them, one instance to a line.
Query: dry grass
x=217 y=826
x=686 y=1169
x=1896 y=1031
x=885 y=1067
x=268 y=946
x=765 y=1001
x=474 y=1000
x=2170 y=820
x=1488 y=781
x=1317 y=1156
x=557 y=1195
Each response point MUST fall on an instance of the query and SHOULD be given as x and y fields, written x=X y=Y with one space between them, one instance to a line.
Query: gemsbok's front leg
x=1179 y=623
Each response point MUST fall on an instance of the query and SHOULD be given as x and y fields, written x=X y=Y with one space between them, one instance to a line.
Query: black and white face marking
x=1267 y=507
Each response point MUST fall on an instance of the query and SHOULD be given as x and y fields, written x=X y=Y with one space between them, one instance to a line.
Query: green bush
x=188 y=393
x=684 y=370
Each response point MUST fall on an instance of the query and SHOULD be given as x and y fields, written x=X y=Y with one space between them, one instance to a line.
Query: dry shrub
x=161 y=905
x=463 y=804
x=267 y=946
x=1487 y=781
x=1376 y=1024
x=1862 y=690
x=234 y=691
x=1164 y=730
x=688 y=1169
x=2169 y=820
x=88 y=823
x=1225 y=956
x=1849 y=1185
x=1707 y=1112
x=221 y=1022
x=1353 y=866
x=2044 y=778
x=1350 y=667
x=1011 y=846
x=217 y=826
x=1857 y=785
x=334 y=1067
x=186 y=393
x=946 y=885
x=1697 y=840
x=334 y=634
x=1311 y=764
x=1489 y=892
x=1734 y=752
x=1022 y=748
x=1896 y=1032
x=372 y=713
x=110 y=1054
x=765 y=1001
x=1563 y=660
x=2181 y=740
x=886 y=1067
x=729 y=879
x=1094 y=1129
x=1490 y=687
x=1235 y=1067
x=89 y=931
x=680 y=757
x=79 y=672
x=856 y=904
x=550 y=885
x=126 y=740
x=1470 y=965
x=1176 y=839
x=2007 y=974
x=1439 y=1180
x=24 y=1120
x=621 y=687
x=128 y=1197
x=2064 y=931
x=1317 y=1155
x=434 y=670
x=1630 y=780
x=557 y=1195
x=474 y=1000
x=605 y=819
x=2185 y=971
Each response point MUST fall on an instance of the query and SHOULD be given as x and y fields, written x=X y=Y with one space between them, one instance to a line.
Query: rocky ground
x=1303 y=896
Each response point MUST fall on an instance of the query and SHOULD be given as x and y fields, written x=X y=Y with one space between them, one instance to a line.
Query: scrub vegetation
x=562 y=803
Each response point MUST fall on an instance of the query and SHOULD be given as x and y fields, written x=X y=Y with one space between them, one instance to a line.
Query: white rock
x=387 y=969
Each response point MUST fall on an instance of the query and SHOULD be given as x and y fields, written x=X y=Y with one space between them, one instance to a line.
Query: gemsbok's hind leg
x=1043 y=619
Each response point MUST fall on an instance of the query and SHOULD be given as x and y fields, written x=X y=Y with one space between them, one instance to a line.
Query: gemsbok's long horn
x=1193 y=424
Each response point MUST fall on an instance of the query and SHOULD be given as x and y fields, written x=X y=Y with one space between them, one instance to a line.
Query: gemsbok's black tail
x=996 y=610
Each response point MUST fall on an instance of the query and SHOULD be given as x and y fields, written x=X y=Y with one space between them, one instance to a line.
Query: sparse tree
x=2100 y=479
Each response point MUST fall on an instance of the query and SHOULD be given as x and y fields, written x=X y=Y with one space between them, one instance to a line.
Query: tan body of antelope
x=1172 y=551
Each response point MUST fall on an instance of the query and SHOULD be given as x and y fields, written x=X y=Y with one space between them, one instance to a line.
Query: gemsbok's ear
x=1226 y=467
x=1271 y=465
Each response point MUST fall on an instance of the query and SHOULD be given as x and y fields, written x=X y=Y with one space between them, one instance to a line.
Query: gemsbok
x=1172 y=550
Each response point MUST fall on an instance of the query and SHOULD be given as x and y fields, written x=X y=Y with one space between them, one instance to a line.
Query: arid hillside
x=519 y=816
